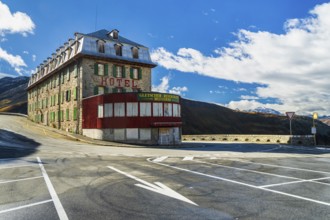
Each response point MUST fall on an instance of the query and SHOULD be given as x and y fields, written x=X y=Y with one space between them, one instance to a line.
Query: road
x=44 y=175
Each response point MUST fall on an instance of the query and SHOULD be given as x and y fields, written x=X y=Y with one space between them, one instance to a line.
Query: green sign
x=158 y=97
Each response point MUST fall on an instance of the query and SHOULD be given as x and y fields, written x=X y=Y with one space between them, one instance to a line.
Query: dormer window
x=114 y=34
x=135 y=52
x=101 y=46
x=119 y=48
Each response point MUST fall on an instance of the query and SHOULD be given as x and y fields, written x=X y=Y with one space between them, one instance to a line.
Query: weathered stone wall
x=271 y=139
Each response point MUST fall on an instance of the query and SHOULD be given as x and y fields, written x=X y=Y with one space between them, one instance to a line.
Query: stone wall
x=271 y=139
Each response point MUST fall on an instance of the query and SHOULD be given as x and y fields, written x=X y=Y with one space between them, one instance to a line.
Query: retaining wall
x=271 y=139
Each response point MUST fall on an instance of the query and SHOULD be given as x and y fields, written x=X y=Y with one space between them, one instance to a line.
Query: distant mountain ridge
x=265 y=111
x=13 y=95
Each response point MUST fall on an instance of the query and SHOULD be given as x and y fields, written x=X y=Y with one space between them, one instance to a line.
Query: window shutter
x=106 y=90
x=69 y=95
x=114 y=90
x=106 y=69
x=124 y=72
x=114 y=70
x=124 y=90
x=75 y=93
x=140 y=73
x=131 y=73
x=75 y=71
x=96 y=90
x=96 y=69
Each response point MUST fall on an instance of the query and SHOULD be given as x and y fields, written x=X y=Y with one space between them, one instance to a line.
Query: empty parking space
x=24 y=185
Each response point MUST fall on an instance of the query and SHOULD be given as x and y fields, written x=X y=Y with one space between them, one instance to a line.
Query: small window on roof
x=100 y=45
x=135 y=52
x=118 y=48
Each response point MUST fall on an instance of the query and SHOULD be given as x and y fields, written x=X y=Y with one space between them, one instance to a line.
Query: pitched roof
x=104 y=35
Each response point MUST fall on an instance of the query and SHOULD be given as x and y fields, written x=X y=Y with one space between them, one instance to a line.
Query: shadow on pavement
x=13 y=145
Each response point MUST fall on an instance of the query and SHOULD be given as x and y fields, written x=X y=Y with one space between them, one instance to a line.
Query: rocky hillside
x=13 y=96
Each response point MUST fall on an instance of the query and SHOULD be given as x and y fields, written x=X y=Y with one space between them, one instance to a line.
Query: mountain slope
x=13 y=96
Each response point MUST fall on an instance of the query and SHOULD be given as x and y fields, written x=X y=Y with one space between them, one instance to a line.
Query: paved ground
x=44 y=175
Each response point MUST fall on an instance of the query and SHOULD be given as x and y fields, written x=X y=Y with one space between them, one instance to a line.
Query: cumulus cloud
x=164 y=87
x=17 y=22
x=292 y=67
x=34 y=57
x=14 y=61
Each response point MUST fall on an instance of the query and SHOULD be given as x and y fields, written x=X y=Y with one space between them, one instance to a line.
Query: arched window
x=135 y=52
x=119 y=49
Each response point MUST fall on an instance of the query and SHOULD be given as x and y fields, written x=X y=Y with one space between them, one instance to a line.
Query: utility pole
x=315 y=117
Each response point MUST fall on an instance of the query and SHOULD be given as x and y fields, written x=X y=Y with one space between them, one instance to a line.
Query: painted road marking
x=244 y=184
x=17 y=180
x=300 y=181
x=253 y=171
x=292 y=168
x=9 y=167
x=188 y=158
x=25 y=206
x=160 y=159
x=59 y=208
x=156 y=187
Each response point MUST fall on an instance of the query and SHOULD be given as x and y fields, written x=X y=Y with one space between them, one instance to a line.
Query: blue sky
x=237 y=53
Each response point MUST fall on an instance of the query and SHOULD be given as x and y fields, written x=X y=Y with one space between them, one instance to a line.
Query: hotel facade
x=99 y=85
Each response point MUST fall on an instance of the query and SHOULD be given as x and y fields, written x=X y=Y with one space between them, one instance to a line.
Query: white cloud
x=14 y=61
x=164 y=87
x=17 y=22
x=34 y=57
x=26 y=52
x=248 y=97
x=3 y=39
x=4 y=75
x=293 y=67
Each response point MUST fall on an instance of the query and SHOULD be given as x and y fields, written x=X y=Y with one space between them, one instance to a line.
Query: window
x=62 y=115
x=68 y=74
x=119 y=71
x=115 y=34
x=136 y=73
x=157 y=109
x=108 y=110
x=119 y=109
x=101 y=69
x=100 y=111
x=119 y=49
x=76 y=70
x=100 y=45
x=135 y=52
x=132 y=109
x=118 y=90
x=145 y=109
x=68 y=95
x=176 y=110
x=145 y=134
x=168 y=109
x=99 y=90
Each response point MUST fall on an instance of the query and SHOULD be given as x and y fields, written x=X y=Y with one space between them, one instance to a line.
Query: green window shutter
x=140 y=73
x=75 y=93
x=96 y=90
x=67 y=114
x=124 y=90
x=124 y=72
x=114 y=90
x=106 y=69
x=96 y=69
x=75 y=114
x=114 y=70
x=68 y=74
x=106 y=90
x=131 y=73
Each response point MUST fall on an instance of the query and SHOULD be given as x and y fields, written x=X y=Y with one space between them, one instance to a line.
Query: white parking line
x=188 y=158
x=58 y=205
x=253 y=171
x=272 y=165
x=17 y=180
x=25 y=206
x=160 y=159
x=244 y=184
x=9 y=167
x=300 y=181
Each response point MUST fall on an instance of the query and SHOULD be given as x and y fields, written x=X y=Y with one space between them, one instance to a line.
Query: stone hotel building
x=99 y=85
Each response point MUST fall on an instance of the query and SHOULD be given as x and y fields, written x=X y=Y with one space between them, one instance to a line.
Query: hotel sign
x=158 y=97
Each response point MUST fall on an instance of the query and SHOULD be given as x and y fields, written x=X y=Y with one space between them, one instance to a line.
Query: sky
x=236 y=53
